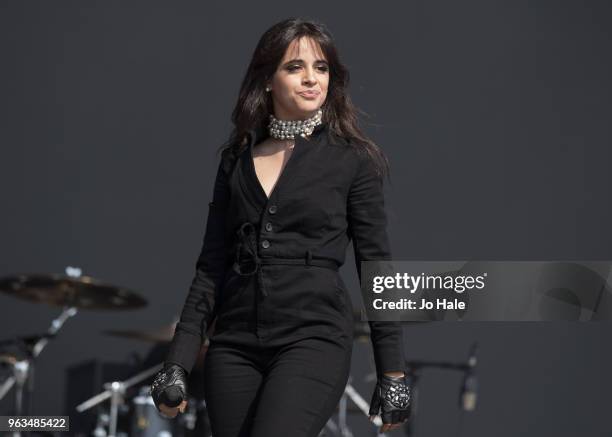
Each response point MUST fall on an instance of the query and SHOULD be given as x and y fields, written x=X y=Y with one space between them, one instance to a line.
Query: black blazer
x=269 y=265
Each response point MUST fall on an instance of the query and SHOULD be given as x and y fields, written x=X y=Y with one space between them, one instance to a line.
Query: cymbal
x=84 y=292
x=165 y=334
x=158 y=335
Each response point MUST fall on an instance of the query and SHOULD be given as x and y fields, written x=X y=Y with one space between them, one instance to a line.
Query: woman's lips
x=309 y=94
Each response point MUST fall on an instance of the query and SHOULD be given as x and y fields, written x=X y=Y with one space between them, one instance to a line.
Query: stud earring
x=268 y=89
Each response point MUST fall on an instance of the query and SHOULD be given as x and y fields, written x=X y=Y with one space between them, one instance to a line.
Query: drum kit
x=132 y=412
x=135 y=415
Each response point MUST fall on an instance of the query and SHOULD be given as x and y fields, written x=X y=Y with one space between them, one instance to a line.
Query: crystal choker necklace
x=288 y=129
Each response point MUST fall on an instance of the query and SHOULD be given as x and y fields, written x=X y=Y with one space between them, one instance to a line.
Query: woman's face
x=299 y=85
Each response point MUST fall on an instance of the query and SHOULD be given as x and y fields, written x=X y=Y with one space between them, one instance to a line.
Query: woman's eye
x=292 y=68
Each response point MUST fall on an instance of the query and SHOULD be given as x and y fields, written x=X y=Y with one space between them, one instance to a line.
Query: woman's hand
x=169 y=390
x=392 y=398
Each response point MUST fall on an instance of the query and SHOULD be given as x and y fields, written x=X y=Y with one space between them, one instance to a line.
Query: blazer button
x=272 y=209
x=265 y=244
x=269 y=227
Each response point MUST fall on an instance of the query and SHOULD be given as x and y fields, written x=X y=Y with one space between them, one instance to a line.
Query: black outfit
x=280 y=354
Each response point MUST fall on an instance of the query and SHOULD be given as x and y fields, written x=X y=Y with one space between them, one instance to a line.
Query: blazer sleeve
x=199 y=306
x=367 y=223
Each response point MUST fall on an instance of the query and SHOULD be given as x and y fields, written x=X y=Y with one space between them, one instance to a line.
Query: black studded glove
x=169 y=386
x=392 y=398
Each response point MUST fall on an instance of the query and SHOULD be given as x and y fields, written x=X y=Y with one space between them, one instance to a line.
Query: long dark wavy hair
x=255 y=104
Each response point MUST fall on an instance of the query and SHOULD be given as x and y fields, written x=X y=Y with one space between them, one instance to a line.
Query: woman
x=297 y=180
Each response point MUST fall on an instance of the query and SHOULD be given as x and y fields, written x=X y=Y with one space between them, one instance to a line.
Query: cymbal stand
x=23 y=370
x=115 y=391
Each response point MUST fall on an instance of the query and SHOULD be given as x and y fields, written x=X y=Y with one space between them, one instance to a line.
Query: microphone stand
x=468 y=390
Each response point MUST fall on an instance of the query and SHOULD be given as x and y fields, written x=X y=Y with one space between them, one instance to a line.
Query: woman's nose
x=309 y=76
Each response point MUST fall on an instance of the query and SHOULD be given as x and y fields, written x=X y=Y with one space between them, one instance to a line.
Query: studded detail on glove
x=391 y=399
x=169 y=386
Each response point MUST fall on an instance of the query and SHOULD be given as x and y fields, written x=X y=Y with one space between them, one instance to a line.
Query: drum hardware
x=69 y=291
x=115 y=391
x=23 y=368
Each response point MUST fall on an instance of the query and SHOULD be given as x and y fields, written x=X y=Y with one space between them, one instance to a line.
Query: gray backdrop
x=495 y=116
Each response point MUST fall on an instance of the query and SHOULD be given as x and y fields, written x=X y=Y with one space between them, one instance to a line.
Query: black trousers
x=258 y=390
